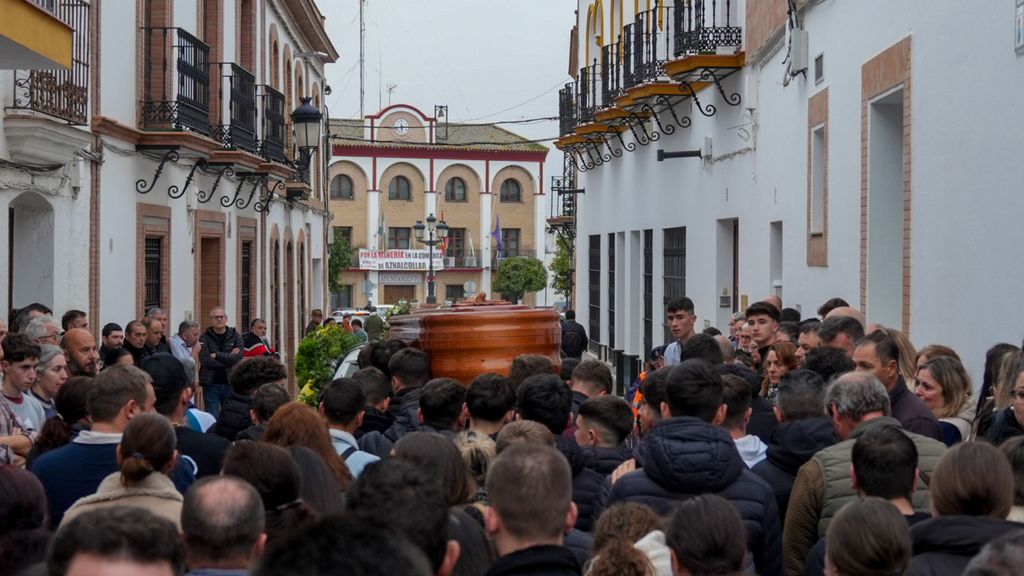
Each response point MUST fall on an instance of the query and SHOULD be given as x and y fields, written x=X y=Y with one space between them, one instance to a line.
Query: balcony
x=176 y=88
x=587 y=90
x=611 y=74
x=271 y=146
x=566 y=110
x=647 y=45
x=62 y=94
x=496 y=260
x=461 y=261
x=238 y=95
x=706 y=27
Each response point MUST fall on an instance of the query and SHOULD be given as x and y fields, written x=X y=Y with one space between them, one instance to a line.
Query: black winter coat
x=604 y=461
x=217 y=369
x=686 y=456
x=792 y=445
x=945 y=545
x=234 y=416
x=586 y=484
x=574 y=339
x=537 y=561
x=1004 y=427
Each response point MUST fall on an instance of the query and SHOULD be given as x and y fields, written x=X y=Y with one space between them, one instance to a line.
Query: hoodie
x=792 y=445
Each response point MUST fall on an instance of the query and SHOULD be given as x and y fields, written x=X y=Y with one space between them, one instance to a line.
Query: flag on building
x=496 y=234
x=382 y=232
x=444 y=241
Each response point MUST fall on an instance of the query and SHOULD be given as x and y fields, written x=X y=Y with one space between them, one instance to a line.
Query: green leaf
x=317 y=357
x=518 y=276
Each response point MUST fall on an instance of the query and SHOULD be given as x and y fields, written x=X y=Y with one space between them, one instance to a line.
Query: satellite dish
x=469 y=287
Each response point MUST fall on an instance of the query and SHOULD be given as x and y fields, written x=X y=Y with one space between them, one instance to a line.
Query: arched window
x=399 y=189
x=511 y=191
x=455 y=190
x=341 y=188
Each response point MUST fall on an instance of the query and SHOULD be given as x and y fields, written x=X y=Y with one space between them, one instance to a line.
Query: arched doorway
x=30 y=241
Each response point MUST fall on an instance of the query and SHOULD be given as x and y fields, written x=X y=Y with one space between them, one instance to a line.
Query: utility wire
x=523 y=103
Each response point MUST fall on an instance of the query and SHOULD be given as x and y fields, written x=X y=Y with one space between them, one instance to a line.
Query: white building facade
x=839 y=154
x=186 y=193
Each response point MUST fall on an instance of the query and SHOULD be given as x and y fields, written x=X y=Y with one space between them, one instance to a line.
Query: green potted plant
x=317 y=357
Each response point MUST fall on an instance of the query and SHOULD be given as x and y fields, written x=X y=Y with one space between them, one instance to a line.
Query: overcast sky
x=487 y=60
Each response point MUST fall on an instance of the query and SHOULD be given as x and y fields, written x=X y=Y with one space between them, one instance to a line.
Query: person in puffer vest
x=856 y=402
x=687 y=454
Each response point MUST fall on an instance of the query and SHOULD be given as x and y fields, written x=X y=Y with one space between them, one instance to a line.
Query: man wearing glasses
x=43 y=330
x=221 y=348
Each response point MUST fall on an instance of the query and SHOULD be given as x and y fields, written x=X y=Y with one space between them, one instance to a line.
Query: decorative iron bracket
x=684 y=122
x=708 y=75
x=204 y=197
x=257 y=179
x=141 y=186
x=267 y=196
x=173 y=190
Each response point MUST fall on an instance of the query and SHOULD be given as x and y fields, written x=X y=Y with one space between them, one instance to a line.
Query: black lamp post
x=307 y=121
x=435 y=233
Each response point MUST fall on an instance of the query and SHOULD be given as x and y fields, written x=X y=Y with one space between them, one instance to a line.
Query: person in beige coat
x=146 y=455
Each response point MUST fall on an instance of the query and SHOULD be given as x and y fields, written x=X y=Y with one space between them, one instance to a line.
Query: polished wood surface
x=469 y=340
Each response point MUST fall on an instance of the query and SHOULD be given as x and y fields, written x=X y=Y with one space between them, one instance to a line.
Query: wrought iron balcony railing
x=705 y=27
x=566 y=110
x=62 y=94
x=271 y=146
x=240 y=99
x=647 y=44
x=177 y=81
x=497 y=259
x=611 y=84
x=586 y=93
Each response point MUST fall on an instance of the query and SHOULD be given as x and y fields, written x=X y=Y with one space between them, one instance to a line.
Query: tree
x=339 y=258
x=517 y=276
x=562 y=268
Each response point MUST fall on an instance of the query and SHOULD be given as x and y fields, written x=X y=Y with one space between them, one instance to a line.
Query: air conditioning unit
x=470 y=261
x=449 y=262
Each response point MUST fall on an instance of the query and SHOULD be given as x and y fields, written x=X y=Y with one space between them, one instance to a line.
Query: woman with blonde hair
x=779 y=361
x=934 y=351
x=146 y=456
x=945 y=388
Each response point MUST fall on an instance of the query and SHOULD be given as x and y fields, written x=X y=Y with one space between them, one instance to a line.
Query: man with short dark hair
x=399 y=495
x=74 y=319
x=76 y=469
x=25 y=315
x=763 y=319
x=118 y=540
x=315 y=320
x=112 y=338
x=490 y=403
x=652 y=395
x=808 y=340
x=856 y=403
x=342 y=406
x=173 y=392
x=531 y=509
x=802 y=431
x=878 y=354
x=703 y=347
x=688 y=453
x=223 y=526
x=574 y=336
x=20 y=358
x=590 y=378
x=265 y=402
x=410 y=370
x=737 y=398
x=245 y=378
x=135 y=340
x=441 y=403
x=79 y=346
x=377 y=387
x=546 y=399
x=841 y=332
x=221 y=348
x=883 y=464
x=828 y=362
x=602 y=426
x=830 y=305
x=680 y=317
x=526 y=365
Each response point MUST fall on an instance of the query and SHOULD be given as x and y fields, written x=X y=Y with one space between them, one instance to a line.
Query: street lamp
x=307 y=121
x=432 y=233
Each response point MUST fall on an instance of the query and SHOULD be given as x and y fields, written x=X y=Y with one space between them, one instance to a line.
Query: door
x=392 y=294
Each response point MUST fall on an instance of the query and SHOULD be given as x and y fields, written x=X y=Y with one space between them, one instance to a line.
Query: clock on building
x=401 y=127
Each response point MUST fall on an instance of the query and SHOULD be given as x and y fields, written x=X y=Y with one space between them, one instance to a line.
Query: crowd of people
x=781 y=446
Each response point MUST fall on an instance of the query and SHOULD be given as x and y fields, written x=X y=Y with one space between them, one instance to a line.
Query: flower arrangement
x=317 y=357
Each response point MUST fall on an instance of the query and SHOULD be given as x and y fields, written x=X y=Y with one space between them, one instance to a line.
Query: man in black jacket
x=245 y=379
x=544 y=398
x=410 y=370
x=377 y=388
x=574 y=336
x=602 y=426
x=221 y=347
x=803 y=430
x=530 y=487
x=687 y=453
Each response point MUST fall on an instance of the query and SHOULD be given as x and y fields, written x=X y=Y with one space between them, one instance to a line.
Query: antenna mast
x=362 y=61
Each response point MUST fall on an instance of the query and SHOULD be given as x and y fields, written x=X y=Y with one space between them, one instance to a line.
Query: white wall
x=965 y=160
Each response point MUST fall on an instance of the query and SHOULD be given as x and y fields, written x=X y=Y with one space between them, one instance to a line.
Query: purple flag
x=496 y=234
